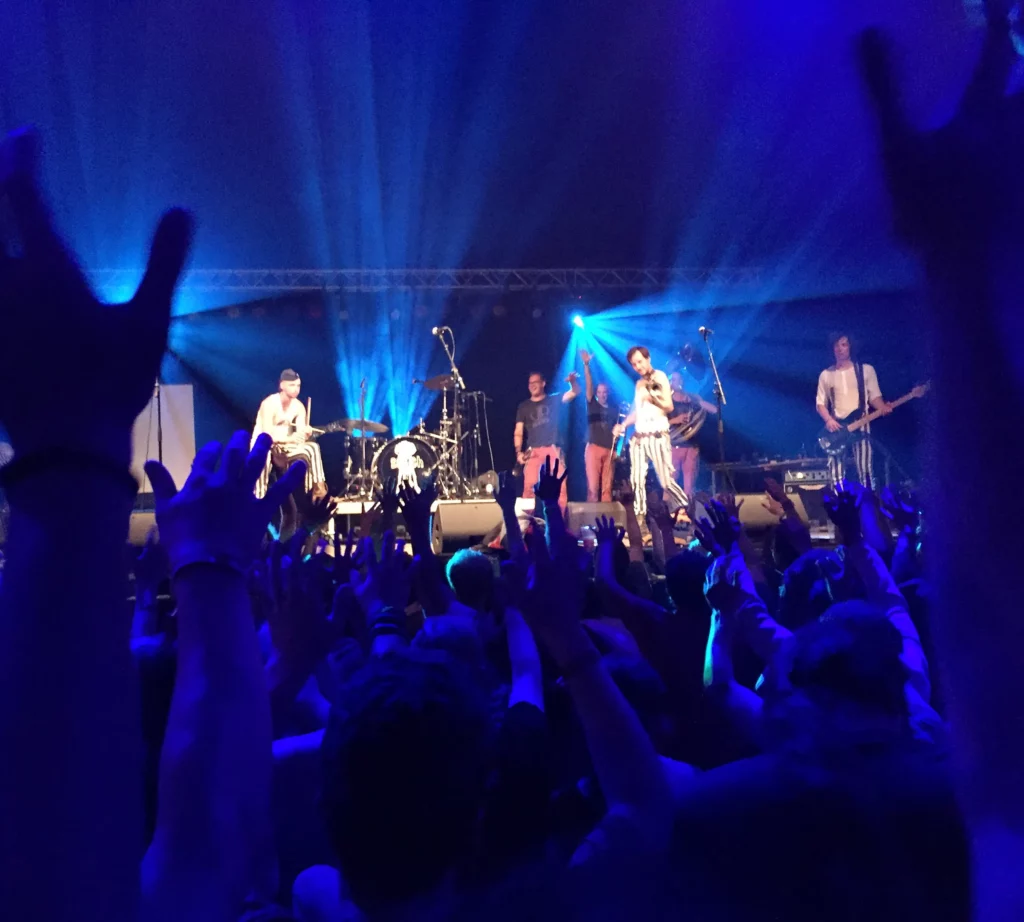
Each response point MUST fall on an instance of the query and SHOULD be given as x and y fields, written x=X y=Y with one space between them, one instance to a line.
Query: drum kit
x=451 y=455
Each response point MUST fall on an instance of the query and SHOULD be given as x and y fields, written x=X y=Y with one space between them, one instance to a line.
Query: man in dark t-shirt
x=601 y=417
x=538 y=432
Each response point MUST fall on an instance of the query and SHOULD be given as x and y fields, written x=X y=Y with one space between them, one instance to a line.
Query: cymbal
x=439 y=383
x=363 y=425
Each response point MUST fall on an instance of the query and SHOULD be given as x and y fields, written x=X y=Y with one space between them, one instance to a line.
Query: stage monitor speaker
x=459 y=524
x=753 y=515
x=580 y=514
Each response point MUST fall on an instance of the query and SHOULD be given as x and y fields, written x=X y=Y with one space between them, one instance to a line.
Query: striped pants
x=863 y=462
x=303 y=451
x=656 y=449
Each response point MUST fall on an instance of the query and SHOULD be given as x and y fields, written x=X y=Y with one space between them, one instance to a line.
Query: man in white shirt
x=652 y=407
x=283 y=417
x=847 y=389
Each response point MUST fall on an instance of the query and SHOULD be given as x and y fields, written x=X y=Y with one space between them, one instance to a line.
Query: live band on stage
x=651 y=441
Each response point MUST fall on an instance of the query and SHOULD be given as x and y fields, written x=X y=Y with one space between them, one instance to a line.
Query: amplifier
x=806 y=476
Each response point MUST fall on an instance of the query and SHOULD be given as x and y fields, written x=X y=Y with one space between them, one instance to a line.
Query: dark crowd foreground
x=541 y=733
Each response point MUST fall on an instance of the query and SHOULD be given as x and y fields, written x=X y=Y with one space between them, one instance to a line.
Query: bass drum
x=410 y=460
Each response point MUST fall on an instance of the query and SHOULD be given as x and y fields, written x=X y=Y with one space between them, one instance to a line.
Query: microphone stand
x=719 y=402
x=159 y=421
x=362 y=442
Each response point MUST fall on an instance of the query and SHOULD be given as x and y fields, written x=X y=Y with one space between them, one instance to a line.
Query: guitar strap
x=861 y=393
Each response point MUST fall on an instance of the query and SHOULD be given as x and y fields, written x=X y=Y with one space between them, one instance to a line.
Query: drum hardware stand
x=458 y=486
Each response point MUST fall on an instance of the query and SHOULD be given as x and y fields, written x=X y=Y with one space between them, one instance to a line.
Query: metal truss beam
x=378 y=280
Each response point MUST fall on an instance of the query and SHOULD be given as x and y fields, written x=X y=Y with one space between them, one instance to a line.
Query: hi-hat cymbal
x=363 y=425
x=439 y=383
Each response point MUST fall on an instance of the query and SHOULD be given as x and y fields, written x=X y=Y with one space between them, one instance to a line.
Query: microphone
x=434 y=331
x=705 y=332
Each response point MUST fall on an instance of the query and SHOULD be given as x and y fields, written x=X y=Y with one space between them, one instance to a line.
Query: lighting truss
x=371 y=280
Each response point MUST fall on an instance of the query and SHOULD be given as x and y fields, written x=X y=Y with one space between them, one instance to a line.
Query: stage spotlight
x=577 y=320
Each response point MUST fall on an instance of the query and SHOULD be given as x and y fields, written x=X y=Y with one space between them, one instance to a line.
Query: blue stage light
x=578 y=320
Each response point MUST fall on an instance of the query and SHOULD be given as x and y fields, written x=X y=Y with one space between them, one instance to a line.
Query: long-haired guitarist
x=688 y=414
x=846 y=391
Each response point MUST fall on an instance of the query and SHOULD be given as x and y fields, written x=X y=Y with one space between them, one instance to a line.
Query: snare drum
x=410 y=460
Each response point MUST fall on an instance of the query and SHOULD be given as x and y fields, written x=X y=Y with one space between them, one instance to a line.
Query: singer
x=283 y=417
x=650 y=445
x=844 y=388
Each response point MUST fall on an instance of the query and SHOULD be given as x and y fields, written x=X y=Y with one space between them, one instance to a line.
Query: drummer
x=283 y=417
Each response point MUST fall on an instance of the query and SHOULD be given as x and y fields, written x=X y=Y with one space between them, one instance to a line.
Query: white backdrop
x=177 y=416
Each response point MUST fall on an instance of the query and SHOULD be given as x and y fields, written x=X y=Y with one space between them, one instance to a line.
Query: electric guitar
x=833 y=443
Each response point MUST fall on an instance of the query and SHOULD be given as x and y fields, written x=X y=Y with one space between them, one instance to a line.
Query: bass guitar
x=834 y=443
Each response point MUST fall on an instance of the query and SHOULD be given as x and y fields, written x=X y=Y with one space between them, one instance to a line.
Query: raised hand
x=842 y=503
x=721 y=527
x=505 y=496
x=776 y=502
x=549 y=483
x=416 y=504
x=215 y=517
x=416 y=509
x=722 y=586
x=552 y=606
x=775 y=490
x=57 y=331
x=388 y=500
x=320 y=512
x=657 y=510
x=585 y=356
x=962 y=178
x=297 y=613
x=607 y=531
x=387 y=582
x=901 y=508
x=706 y=537
x=730 y=504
